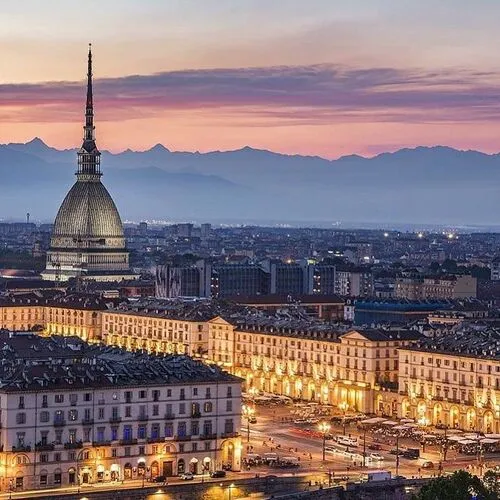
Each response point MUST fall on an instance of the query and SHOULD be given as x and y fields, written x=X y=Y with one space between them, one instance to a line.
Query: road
x=273 y=423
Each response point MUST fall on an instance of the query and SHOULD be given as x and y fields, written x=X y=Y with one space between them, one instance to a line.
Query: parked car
x=188 y=476
x=218 y=473
x=376 y=456
x=427 y=465
x=374 y=446
x=160 y=479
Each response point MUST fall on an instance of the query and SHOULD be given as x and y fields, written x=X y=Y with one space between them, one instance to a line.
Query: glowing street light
x=248 y=412
x=343 y=407
x=324 y=428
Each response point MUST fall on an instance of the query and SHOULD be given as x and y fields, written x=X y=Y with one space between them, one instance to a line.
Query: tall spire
x=89 y=155
x=90 y=104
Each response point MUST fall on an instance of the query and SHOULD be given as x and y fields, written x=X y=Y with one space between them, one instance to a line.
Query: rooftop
x=32 y=362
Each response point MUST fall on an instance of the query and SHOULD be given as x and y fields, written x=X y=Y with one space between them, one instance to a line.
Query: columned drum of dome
x=88 y=239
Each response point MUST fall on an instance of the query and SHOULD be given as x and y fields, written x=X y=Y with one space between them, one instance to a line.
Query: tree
x=459 y=486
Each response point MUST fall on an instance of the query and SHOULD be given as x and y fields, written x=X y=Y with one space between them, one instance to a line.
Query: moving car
x=374 y=446
x=188 y=476
x=376 y=456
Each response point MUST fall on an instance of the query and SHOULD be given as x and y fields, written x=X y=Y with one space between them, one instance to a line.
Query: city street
x=276 y=432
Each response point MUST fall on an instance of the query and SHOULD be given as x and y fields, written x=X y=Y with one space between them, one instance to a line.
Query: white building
x=73 y=413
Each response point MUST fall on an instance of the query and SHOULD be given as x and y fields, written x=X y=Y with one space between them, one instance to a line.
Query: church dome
x=88 y=214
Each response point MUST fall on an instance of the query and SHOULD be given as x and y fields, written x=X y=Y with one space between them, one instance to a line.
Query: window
x=21 y=402
x=72 y=415
x=44 y=416
x=169 y=393
x=182 y=408
x=44 y=458
x=72 y=456
x=207 y=407
x=87 y=396
x=181 y=448
x=195 y=428
x=100 y=434
x=127 y=433
x=229 y=392
x=142 y=394
x=86 y=434
x=229 y=405
x=45 y=402
x=156 y=410
x=229 y=426
x=128 y=411
x=141 y=432
x=73 y=398
x=207 y=427
x=21 y=418
x=126 y=452
x=114 y=433
x=72 y=436
x=183 y=394
x=207 y=445
x=128 y=396
x=100 y=413
x=181 y=429
x=86 y=414
x=59 y=398
x=207 y=393
x=142 y=450
x=114 y=452
x=43 y=477
x=57 y=457
x=44 y=435
x=169 y=429
x=156 y=395
x=195 y=446
x=58 y=436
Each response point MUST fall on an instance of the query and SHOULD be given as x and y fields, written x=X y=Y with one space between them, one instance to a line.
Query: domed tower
x=88 y=239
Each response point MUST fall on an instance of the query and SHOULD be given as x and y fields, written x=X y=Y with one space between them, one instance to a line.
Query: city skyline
x=323 y=78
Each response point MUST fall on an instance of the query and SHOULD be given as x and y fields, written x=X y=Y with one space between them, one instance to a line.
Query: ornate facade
x=88 y=238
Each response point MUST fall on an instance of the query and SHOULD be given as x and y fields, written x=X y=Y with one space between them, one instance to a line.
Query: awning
x=489 y=441
x=373 y=420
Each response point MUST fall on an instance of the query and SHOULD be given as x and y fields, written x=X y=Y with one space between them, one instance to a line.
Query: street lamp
x=248 y=412
x=324 y=428
x=343 y=407
x=141 y=464
x=253 y=391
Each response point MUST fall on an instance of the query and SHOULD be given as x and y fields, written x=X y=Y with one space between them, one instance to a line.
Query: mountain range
x=433 y=185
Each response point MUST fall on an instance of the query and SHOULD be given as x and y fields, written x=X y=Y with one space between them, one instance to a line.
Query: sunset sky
x=319 y=77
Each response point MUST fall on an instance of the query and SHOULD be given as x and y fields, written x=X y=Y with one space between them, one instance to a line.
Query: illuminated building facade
x=386 y=372
x=88 y=238
x=132 y=416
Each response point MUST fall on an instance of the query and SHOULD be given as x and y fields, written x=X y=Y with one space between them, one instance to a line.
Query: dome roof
x=88 y=211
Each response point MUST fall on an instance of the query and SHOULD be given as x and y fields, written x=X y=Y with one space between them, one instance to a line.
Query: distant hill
x=426 y=184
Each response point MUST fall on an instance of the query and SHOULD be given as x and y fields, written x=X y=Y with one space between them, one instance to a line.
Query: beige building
x=416 y=287
x=456 y=387
x=127 y=418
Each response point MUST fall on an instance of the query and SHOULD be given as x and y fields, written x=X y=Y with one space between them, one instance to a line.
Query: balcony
x=21 y=448
x=59 y=423
x=98 y=444
x=183 y=438
x=73 y=446
x=155 y=440
x=208 y=436
x=44 y=447
x=169 y=416
x=115 y=419
x=229 y=435
x=143 y=418
x=195 y=414
x=87 y=421
x=125 y=442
